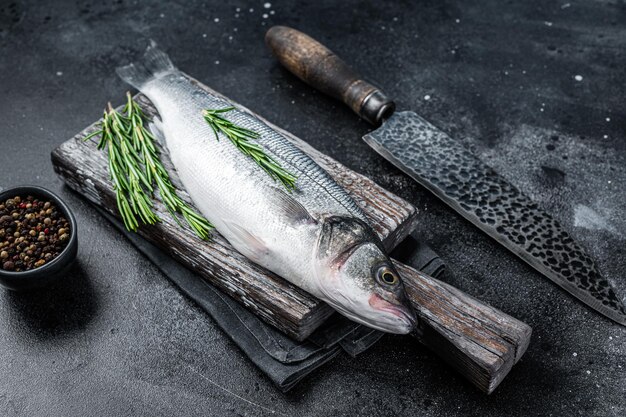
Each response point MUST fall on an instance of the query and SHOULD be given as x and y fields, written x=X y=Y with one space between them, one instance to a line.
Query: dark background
x=117 y=338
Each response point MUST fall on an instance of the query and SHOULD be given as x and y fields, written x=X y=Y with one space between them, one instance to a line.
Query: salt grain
x=578 y=77
x=267 y=5
x=426 y=97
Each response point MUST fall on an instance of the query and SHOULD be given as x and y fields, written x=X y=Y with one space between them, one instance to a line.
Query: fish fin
x=156 y=128
x=289 y=206
x=153 y=64
x=249 y=245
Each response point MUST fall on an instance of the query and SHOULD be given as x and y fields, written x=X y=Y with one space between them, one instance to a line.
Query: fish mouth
x=403 y=315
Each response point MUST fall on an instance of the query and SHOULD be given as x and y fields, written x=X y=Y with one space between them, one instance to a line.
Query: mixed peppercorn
x=32 y=233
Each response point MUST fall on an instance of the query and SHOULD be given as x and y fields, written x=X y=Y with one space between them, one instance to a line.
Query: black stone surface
x=117 y=338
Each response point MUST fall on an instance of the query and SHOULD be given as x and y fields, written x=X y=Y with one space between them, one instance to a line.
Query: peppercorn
x=32 y=233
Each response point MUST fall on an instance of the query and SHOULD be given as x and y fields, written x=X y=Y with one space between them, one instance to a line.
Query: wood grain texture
x=482 y=343
x=476 y=339
x=319 y=67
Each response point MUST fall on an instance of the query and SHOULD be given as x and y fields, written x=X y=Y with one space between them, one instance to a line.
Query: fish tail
x=152 y=65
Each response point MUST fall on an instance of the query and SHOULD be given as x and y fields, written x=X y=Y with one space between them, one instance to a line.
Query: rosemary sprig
x=241 y=137
x=134 y=166
x=143 y=141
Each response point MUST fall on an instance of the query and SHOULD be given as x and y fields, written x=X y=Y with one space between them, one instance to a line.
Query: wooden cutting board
x=479 y=341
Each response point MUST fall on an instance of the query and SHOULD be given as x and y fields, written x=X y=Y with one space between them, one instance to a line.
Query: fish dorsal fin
x=295 y=212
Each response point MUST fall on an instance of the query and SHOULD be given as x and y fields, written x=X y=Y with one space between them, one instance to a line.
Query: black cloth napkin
x=284 y=360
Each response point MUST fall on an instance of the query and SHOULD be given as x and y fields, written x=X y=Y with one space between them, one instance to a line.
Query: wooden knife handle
x=319 y=67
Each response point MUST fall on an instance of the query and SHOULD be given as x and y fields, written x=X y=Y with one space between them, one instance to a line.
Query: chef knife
x=452 y=173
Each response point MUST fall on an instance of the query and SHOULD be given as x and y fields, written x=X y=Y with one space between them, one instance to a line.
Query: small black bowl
x=55 y=269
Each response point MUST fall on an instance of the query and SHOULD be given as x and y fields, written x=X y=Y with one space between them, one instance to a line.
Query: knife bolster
x=377 y=107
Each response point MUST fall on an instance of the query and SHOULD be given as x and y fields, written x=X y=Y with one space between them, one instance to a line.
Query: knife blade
x=452 y=173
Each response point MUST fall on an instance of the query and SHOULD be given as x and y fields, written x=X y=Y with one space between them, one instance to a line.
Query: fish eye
x=387 y=276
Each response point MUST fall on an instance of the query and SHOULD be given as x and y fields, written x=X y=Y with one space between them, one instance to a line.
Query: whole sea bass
x=315 y=237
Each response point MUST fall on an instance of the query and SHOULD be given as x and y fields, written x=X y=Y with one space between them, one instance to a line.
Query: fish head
x=358 y=279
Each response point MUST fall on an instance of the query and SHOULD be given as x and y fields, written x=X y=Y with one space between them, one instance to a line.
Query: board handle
x=479 y=341
x=319 y=67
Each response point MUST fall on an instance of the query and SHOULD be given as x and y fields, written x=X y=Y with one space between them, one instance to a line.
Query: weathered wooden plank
x=479 y=341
